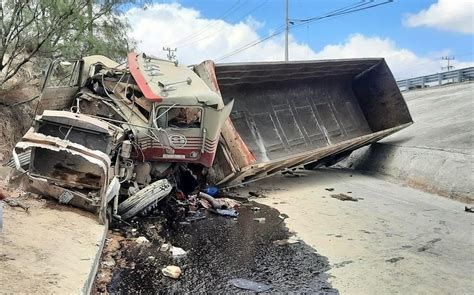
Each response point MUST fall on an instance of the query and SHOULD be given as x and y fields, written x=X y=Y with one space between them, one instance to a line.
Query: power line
x=251 y=44
x=199 y=32
x=359 y=6
x=192 y=42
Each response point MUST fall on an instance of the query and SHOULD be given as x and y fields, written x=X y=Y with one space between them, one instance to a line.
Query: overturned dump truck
x=116 y=139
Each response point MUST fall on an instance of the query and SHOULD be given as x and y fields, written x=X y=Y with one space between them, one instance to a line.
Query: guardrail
x=456 y=76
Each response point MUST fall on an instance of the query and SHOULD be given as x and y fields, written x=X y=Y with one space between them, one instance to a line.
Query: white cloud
x=446 y=15
x=198 y=39
x=403 y=62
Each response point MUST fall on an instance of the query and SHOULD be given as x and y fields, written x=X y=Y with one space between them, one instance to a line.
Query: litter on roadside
x=15 y=203
x=142 y=240
x=250 y=285
x=257 y=195
x=344 y=197
x=165 y=247
x=178 y=252
x=289 y=241
x=171 y=271
x=260 y=219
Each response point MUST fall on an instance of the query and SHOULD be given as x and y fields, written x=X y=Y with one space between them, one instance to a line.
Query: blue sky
x=420 y=43
x=385 y=20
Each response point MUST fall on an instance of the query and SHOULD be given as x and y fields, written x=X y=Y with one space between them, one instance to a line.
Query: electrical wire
x=359 y=6
x=193 y=35
x=216 y=29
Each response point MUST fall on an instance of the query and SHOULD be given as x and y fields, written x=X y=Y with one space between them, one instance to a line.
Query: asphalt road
x=393 y=239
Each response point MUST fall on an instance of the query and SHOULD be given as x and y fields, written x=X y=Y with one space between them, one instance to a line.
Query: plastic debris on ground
x=226 y=212
x=141 y=240
x=250 y=285
x=165 y=247
x=221 y=206
x=289 y=241
x=171 y=271
x=177 y=252
x=212 y=191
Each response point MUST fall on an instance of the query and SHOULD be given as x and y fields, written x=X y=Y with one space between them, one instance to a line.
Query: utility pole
x=448 y=59
x=170 y=55
x=287 y=28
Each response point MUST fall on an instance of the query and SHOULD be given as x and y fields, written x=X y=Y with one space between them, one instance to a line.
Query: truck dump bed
x=304 y=113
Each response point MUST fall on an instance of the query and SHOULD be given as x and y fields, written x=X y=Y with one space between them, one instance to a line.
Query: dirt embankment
x=17 y=107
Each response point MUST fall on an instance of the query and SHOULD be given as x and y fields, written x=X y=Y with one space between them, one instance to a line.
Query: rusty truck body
x=117 y=138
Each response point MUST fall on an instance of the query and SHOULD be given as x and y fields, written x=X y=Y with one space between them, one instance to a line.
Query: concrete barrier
x=435 y=154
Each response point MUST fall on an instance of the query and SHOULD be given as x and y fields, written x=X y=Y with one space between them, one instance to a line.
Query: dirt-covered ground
x=17 y=107
x=50 y=248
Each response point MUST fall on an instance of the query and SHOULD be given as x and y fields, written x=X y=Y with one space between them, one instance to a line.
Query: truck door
x=61 y=84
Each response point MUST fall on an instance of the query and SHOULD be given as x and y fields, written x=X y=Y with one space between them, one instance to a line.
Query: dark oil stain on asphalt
x=220 y=249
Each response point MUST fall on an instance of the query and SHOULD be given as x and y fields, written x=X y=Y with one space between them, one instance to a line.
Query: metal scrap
x=15 y=203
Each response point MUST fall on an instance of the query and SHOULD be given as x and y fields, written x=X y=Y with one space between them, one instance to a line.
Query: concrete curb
x=89 y=283
x=446 y=173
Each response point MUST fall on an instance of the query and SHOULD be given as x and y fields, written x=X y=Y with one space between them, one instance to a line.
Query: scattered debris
x=257 y=195
x=344 y=197
x=171 y=271
x=469 y=209
x=342 y=264
x=15 y=203
x=196 y=216
x=255 y=209
x=330 y=189
x=289 y=241
x=428 y=245
x=250 y=285
x=221 y=206
x=225 y=212
x=289 y=173
x=212 y=191
x=165 y=247
x=260 y=219
x=395 y=259
x=178 y=252
x=142 y=240
x=283 y=216
x=365 y=231
x=109 y=263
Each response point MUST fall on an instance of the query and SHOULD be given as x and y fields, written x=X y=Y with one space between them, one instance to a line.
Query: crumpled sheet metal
x=36 y=140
